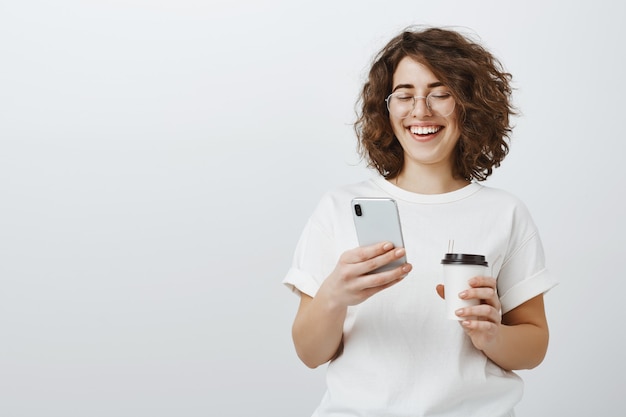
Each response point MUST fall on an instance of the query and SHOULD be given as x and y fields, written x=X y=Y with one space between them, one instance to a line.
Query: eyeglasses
x=401 y=104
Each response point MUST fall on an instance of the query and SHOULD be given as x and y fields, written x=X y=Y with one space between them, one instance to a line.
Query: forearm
x=516 y=340
x=521 y=346
x=317 y=330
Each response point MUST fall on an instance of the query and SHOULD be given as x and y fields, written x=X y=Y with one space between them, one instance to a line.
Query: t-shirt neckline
x=411 y=197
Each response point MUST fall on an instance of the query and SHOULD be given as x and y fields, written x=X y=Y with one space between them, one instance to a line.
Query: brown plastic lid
x=463 y=259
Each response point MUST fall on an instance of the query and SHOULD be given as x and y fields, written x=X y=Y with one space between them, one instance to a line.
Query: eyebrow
x=431 y=85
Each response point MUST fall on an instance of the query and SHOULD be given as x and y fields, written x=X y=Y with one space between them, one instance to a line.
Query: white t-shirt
x=401 y=356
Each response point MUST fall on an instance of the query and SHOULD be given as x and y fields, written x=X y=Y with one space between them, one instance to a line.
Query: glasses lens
x=441 y=103
x=400 y=105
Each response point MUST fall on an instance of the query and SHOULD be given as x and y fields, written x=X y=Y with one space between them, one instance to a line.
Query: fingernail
x=400 y=252
x=387 y=246
x=463 y=294
x=459 y=312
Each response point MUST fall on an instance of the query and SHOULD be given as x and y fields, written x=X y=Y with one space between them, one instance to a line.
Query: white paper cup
x=458 y=269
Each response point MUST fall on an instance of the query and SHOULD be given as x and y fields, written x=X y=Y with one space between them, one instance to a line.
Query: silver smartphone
x=377 y=220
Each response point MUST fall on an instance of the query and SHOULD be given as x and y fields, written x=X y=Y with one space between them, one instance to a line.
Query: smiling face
x=427 y=137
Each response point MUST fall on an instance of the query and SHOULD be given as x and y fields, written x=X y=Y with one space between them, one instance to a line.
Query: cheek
x=454 y=129
x=396 y=126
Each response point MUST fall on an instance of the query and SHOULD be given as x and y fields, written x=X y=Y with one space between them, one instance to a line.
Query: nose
x=420 y=107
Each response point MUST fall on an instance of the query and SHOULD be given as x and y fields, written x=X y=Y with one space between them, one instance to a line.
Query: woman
x=434 y=121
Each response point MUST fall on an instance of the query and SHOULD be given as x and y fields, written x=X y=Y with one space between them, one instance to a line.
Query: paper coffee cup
x=458 y=269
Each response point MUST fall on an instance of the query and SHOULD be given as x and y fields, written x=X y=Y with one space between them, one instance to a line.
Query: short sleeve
x=523 y=274
x=314 y=259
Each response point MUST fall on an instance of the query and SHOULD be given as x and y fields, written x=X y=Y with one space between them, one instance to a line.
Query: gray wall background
x=158 y=160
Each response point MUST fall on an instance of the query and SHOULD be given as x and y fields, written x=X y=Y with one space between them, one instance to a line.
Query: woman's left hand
x=481 y=322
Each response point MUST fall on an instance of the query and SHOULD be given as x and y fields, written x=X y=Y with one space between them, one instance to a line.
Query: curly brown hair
x=476 y=79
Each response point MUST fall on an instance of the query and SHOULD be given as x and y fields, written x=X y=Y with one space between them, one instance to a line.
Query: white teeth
x=424 y=130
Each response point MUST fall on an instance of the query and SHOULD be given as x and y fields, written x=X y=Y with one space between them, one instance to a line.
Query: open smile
x=424 y=130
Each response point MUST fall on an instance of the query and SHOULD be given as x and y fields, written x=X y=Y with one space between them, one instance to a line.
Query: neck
x=428 y=181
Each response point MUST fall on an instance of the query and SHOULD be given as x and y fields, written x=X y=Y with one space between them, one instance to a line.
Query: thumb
x=441 y=291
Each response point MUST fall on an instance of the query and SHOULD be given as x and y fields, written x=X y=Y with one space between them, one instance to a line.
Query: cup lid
x=464 y=258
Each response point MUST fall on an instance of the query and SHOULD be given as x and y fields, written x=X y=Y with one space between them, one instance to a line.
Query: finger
x=383 y=279
x=371 y=264
x=481 y=312
x=481 y=281
x=476 y=326
x=368 y=292
x=486 y=294
x=472 y=325
x=364 y=253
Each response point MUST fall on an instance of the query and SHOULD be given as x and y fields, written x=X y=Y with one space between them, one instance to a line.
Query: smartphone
x=376 y=220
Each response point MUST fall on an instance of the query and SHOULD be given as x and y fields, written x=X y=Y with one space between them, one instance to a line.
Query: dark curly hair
x=475 y=78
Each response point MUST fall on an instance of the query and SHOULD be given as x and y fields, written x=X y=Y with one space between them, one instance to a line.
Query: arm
x=523 y=340
x=518 y=340
x=318 y=327
x=317 y=330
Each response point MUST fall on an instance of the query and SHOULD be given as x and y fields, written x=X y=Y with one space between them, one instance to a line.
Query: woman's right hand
x=318 y=327
x=350 y=282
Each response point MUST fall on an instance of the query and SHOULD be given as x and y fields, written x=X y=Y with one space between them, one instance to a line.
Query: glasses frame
x=426 y=99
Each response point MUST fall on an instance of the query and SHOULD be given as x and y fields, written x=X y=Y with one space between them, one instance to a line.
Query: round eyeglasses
x=401 y=104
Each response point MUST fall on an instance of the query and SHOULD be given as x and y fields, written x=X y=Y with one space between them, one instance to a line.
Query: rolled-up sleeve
x=523 y=274
x=314 y=259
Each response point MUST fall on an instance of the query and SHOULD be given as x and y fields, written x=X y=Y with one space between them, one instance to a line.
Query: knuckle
x=352 y=256
x=383 y=278
x=344 y=272
x=371 y=264
x=377 y=280
x=361 y=254
x=348 y=257
x=343 y=275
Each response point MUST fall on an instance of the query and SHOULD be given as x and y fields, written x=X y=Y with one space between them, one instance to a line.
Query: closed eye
x=440 y=96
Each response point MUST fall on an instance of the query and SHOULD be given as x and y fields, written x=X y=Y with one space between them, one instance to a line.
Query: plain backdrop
x=159 y=158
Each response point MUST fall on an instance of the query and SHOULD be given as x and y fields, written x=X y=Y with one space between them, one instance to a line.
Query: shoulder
x=499 y=195
x=500 y=204
x=501 y=200
x=333 y=207
x=339 y=195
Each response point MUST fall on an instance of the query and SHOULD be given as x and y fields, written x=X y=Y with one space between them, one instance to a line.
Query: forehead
x=413 y=73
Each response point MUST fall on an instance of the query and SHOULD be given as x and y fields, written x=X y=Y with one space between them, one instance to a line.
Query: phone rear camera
x=357 y=210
